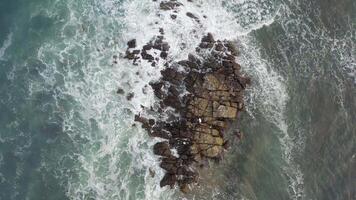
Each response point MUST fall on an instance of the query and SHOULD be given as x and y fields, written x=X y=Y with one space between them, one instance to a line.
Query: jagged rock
x=136 y=51
x=197 y=120
x=208 y=38
x=169 y=5
x=152 y=172
x=169 y=167
x=120 y=91
x=130 y=96
x=191 y=15
x=168 y=179
x=164 y=54
x=145 y=122
x=162 y=149
x=161 y=31
x=131 y=43
x=147 y=47
x=147 y=56
x=129 y=55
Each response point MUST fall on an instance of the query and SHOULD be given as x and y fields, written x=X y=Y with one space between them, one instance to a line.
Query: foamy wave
x=114 y=157
x=6 y=44
x=269 y=95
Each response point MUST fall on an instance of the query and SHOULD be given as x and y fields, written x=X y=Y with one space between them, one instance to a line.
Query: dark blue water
x=66 y=134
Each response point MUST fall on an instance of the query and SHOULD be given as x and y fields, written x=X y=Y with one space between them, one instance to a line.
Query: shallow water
x=66 y=134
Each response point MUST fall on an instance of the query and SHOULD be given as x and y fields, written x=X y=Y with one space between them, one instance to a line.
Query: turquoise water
x=66 y=134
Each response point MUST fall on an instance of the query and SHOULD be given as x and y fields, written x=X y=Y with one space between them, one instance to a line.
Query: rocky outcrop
x=205 y=91
x=169 y=5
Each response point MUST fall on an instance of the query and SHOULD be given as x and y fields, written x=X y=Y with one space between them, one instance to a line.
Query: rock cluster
x=205 y=97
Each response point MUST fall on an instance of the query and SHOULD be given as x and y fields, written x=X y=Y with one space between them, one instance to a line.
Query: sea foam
x=113 y=157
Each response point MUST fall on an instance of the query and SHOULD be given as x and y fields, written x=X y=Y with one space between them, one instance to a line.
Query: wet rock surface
x=169 y=5
x=206 y=96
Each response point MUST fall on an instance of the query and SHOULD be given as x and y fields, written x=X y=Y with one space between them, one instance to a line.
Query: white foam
x=270 y=92
x=113 y=157
x=269 y=96
x=6 y=44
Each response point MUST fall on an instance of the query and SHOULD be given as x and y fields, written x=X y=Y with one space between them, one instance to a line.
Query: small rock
x=164 y=54
x=161 y=31
x=130 y=96
x=136 y=51
x=152 y=172
x=169 y=5
x=120 y=91
x=131 y=43
x=191 y=15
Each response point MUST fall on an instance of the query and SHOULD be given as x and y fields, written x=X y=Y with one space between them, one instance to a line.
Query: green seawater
x=66 y=134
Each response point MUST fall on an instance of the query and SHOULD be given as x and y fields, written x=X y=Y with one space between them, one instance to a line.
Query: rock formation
x=206 y=97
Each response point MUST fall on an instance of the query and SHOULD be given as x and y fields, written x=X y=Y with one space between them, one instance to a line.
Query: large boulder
x=168 y=179
x=162 y=149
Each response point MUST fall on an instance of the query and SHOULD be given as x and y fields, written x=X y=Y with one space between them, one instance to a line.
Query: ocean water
x=66 y=134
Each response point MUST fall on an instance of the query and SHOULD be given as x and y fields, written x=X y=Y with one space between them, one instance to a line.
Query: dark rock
x=169 y=167
x=161 y=31
x=151 y=122
x=162 y=149
x=196 y=120
x=120 y=91
x=169 y=5
x=174 y=16
x=165 y=46
x=147 y=56
x=147 y=47
x=168 y=179
x=130 y=96
x=219 y=47
x=208 y=38
x=157 y=88
x=172 y=76
x=160 y=134
x=136 y=51
x=131 y=43
x=164 y=54
x=191 y=15
x=145 y=122
x=187 y=63
x=129 y=55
